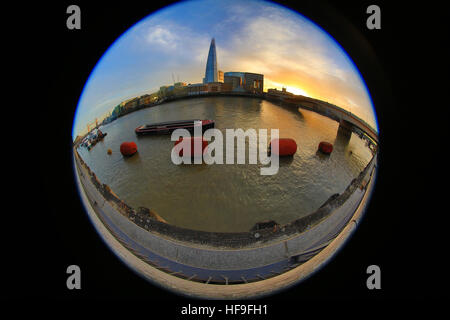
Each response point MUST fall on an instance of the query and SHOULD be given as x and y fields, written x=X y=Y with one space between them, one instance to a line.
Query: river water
x=227 y=197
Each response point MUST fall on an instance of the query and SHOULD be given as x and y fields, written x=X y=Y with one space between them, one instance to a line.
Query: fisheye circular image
x=225 y=149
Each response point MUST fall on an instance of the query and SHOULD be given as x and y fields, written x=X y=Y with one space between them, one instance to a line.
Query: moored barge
x=169 y=126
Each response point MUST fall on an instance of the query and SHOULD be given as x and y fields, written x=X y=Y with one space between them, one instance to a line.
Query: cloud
x=174 y=39
x=162 y=37
x=288 y=49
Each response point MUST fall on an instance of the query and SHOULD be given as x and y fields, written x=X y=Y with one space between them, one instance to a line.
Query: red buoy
x=192 y=140
x=127 y=149
x=286 y=146
x=325 y=147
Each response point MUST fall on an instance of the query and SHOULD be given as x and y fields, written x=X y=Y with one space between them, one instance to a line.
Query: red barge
x=169 y=126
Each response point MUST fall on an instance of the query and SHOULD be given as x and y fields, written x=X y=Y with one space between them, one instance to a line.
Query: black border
x=401 y=64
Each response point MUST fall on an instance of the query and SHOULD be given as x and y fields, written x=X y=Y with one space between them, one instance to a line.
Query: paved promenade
x=175 y=262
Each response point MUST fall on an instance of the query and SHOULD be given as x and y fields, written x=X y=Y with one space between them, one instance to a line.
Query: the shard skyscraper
x=211 y=74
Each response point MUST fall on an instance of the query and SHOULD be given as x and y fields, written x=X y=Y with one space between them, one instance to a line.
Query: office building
x=211 y=74
x=245 y=82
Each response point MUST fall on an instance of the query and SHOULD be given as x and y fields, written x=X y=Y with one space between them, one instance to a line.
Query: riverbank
x=310 y=104
x=218 y=258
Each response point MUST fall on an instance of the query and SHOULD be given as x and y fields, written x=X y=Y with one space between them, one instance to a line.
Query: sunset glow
x=251 y=36
x=297 y=91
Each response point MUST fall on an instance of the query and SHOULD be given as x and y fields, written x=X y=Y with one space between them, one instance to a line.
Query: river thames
x=227 y=197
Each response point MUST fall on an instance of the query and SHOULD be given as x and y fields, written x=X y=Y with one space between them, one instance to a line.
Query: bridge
x=347 y=120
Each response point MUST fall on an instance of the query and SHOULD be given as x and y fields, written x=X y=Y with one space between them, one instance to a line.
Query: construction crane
x=92 y=124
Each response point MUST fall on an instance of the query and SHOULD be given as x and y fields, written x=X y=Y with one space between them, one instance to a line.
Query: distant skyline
x=251 y=36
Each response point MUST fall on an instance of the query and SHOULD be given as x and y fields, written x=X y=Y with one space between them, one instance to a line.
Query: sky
x=251 y=36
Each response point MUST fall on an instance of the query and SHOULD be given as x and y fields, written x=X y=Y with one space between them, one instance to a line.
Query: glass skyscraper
x=211 y=74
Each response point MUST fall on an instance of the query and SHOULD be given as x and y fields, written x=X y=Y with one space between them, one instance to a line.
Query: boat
x=101 y=135
x=169 y=126
x=92 y=139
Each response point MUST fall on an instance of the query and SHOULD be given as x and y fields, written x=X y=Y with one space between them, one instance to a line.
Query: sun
x=291 y=89
x=297 y=91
